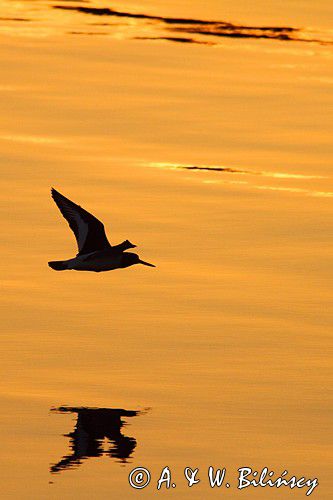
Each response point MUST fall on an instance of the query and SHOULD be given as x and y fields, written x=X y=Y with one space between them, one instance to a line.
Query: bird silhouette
x=95 y=252
x=97 y=432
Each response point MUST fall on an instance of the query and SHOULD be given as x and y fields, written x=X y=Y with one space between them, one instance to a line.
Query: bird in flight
x=95 y=252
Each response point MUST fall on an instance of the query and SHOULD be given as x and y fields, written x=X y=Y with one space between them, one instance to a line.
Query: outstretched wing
x=89 y=231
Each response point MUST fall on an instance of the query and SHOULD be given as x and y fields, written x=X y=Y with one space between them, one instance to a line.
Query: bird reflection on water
x=92 y=428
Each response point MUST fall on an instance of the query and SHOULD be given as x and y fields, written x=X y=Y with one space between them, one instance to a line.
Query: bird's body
x=101 y=260
x=95 y=252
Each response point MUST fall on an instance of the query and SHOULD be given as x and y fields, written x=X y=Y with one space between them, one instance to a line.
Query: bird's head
x=129 y=259
x=128 y=244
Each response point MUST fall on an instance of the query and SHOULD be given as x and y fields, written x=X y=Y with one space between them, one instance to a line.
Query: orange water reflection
x=227 y=341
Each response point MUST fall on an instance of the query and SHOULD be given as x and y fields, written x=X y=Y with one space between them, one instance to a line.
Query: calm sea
x=201 y=131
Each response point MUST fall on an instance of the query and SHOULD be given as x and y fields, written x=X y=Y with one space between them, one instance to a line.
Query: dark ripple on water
x=151 y=27
x=201 y=27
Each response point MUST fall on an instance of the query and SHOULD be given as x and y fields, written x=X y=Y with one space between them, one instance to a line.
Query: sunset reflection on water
x=215 y=159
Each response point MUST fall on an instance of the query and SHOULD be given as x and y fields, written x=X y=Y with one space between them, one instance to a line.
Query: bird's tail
x=58 y=265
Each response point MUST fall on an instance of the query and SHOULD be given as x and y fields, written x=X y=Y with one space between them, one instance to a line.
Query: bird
x=95 y=253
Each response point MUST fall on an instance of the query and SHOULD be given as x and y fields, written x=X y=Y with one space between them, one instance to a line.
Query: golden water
x=224 y=347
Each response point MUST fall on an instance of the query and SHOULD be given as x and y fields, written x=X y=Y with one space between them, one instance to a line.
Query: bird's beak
x=146 y=263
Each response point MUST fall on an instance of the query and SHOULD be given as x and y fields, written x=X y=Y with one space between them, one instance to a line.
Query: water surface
x=212 y=152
